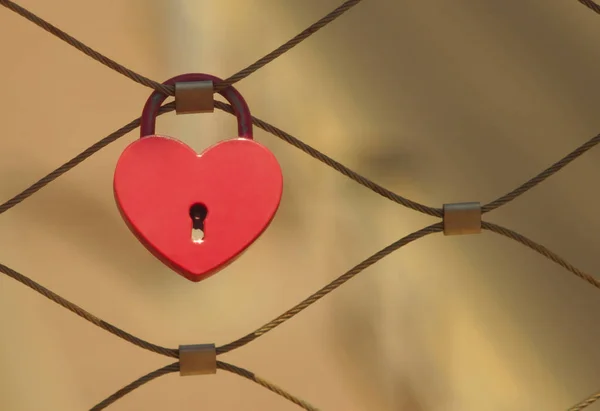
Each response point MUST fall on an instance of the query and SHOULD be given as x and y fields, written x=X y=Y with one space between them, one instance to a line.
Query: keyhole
x=198 y=214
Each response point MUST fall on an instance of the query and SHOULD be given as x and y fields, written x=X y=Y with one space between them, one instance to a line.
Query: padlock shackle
x=240 y=108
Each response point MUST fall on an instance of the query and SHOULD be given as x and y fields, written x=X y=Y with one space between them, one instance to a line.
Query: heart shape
x=158 y=179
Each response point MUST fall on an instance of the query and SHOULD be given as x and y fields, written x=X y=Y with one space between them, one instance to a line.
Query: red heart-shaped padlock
x=164 y=190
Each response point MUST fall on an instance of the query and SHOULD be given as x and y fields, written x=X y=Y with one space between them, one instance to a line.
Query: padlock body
x=158 y=179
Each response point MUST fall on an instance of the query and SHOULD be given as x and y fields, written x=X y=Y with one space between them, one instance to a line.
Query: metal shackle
x=240 y=108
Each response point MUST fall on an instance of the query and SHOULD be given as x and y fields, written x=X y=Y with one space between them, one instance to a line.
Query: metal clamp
x=198 y=359
x=462 y=218
x=194 y=97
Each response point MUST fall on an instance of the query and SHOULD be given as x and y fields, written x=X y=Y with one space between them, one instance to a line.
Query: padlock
x=167 y=193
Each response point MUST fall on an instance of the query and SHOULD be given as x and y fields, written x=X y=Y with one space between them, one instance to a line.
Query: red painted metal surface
x=159 y=179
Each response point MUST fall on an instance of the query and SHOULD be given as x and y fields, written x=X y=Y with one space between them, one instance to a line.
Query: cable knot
x=197 y=359
x=462 y=218
x=194 y=97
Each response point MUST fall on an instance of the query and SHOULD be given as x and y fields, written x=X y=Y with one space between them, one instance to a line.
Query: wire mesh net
x=437 y=213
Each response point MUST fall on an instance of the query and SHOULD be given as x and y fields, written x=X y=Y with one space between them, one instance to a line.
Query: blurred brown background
x=439 y=101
